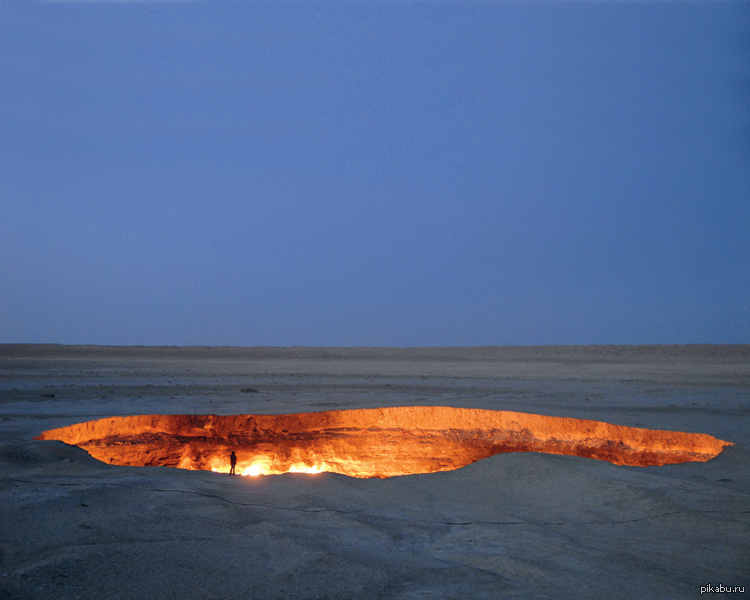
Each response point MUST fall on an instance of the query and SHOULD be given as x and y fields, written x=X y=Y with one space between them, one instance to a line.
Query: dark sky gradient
x=374 y=172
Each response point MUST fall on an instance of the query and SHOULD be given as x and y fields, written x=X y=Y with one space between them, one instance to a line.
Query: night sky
x=374 y=173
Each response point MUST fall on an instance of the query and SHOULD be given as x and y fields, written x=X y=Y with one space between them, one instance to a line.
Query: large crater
x=379 y=442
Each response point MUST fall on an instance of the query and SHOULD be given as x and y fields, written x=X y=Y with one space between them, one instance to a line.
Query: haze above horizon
x=338 y=174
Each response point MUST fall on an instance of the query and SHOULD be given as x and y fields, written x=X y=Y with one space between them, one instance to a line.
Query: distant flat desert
x=516 y=525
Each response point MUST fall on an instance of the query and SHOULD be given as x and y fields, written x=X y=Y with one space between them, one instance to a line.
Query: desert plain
x=516 y=525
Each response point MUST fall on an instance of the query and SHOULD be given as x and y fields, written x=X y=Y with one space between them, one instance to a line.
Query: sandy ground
x=512 y=526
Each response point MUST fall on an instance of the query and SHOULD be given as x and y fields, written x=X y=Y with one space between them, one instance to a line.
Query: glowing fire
x=256 y=469
x=371 y=442
x=265 y=467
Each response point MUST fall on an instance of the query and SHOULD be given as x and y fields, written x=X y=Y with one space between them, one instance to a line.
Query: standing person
x=233 y=460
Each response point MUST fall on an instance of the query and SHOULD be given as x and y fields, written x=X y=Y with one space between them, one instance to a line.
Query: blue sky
x=346 y=173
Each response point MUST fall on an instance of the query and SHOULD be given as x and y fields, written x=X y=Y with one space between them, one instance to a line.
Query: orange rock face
x=379 y=442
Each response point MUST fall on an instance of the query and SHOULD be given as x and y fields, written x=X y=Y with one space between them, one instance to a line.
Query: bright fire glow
x=255 y=470
x=371 y=442
x=265 y=467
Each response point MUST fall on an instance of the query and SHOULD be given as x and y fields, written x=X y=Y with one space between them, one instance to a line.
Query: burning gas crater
x=381 y=442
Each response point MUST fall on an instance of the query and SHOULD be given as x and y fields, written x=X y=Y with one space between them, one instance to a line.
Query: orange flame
x=371 y=442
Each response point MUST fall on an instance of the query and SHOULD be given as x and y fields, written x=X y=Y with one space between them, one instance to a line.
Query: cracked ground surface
x=512 y=526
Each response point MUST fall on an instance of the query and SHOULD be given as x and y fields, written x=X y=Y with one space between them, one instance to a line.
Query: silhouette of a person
x=233 y=460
